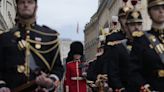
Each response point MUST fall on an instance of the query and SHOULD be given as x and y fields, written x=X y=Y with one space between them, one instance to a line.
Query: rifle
x=27 y=87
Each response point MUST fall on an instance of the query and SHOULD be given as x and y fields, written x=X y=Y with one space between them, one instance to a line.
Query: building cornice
x=102 y=6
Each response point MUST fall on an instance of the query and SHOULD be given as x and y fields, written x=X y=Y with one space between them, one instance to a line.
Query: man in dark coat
x=29 y=54
x=147 y=66
x=115 y=59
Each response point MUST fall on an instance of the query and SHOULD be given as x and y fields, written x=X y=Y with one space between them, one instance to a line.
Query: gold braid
x=44 y=60
x=43 y=43
x=43 y=33
x=41 y=57
x=55 y=57
x=47 y=51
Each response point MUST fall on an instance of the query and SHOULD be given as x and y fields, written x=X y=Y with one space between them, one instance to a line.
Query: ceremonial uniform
x=146 y=67
x=74 y=78
x=25 y=50
x=116 y=60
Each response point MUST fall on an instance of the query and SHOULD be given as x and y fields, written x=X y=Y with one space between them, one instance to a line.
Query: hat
x=134 y=16
x=76 y=48
x=123 y=10
x=152 y=3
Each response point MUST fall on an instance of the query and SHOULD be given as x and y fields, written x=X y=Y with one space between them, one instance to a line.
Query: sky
x=65 y=15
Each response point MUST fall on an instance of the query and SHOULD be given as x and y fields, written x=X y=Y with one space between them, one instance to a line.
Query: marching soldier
x=147 y=65
x=122 y=14
x=116 y=59
x=29 y=54
x=96 y=70
x=75 y=82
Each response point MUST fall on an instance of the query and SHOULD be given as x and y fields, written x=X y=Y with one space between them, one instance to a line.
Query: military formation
x=132 y=57
x=128 y=59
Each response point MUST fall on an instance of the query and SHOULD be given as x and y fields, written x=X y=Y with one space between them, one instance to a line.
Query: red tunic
x=74 y=79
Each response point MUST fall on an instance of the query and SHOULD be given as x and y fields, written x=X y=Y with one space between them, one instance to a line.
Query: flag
x=77 y=29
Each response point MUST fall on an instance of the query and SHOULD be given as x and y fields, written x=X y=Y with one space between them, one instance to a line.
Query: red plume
x=134 y=2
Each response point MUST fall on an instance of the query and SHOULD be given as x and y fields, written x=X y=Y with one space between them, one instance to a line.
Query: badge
x=21 y=68
x=135 y=15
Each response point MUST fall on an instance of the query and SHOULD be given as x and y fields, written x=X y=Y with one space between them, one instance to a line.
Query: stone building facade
x=7 y=14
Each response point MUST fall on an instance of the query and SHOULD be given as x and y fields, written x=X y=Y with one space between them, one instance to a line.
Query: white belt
x=76 y=78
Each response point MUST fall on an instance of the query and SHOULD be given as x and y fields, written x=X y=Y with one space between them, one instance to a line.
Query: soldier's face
x=122 y=20
x=77 y=56
x=26 y=8
x=135 y=26
x=157 y=14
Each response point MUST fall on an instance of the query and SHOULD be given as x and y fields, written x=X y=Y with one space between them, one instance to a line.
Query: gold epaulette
x=44 y=33
x=112 y=31
x=112 y=43
x=137 y=34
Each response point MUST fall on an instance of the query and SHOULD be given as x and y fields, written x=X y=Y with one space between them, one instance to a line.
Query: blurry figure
x=147 y=64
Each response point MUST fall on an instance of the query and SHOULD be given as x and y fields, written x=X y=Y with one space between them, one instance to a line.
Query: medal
x=21 y=68
x=37 y=45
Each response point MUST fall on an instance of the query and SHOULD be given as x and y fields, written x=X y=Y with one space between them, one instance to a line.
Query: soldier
x=96 y=66
x=122 y=14
x=115 y=59
x=147 y=66
x=75 y=81
x=29 y=54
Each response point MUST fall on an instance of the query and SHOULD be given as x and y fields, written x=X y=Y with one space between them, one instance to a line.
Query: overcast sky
x=63 y=15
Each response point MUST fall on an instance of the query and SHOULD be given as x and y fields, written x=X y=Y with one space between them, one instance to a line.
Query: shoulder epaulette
x=137 y=34
x=50 y=29
x=113 y=43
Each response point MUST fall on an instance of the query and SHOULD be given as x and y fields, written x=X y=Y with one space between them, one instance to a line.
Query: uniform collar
x=157 y=26
x=159 y=31
x=29 y=23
